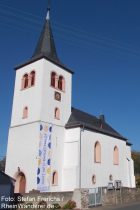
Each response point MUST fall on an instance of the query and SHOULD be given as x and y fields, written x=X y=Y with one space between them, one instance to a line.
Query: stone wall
x=35 y=198
x=60 y=198
x=110 y=197
x=81 y=197
x=124 y=195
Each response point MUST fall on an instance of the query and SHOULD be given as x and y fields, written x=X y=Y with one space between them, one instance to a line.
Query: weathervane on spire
x=48 y=10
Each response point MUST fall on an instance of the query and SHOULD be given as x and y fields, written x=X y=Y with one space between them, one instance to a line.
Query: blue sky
x=98 y=39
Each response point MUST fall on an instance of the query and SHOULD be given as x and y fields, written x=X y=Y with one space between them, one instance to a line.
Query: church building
x=53 y=146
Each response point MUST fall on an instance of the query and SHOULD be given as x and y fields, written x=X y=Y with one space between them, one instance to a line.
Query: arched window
x=116 y=156
x=57 y=113
x=61 y=83
x=24 y=81
x=32 y=78
x=25 y=112
x=110 y=177
x=93 y=179
x=53 y=79
x=55 y=178
x=97 y=152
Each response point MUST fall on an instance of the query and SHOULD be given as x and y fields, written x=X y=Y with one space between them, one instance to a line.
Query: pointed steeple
x=46 y=46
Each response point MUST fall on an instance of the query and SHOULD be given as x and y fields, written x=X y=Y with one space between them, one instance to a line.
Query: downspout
x=80 y=164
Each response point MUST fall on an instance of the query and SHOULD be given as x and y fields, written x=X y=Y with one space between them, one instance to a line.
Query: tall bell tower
x=41 y=108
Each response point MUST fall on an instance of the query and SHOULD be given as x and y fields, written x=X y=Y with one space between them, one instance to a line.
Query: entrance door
x=20 y=184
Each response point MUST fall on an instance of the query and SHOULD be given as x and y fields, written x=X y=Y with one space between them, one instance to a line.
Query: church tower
x=41 y=108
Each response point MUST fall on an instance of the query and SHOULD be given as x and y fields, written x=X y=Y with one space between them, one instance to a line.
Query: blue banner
x=44 y=159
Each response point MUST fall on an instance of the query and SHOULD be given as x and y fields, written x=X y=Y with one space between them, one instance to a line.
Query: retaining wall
x=124 y=195
x=81 y=197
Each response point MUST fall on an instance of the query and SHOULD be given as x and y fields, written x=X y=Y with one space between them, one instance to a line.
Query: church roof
x=45 y=47
x=129 y=144
x=82 y=119
x=5 y=179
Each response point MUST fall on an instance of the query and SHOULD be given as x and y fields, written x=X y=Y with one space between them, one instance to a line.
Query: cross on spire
x=48 y=10
x=49 y=5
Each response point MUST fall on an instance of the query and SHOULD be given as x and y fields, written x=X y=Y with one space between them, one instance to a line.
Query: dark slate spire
x=46 y=46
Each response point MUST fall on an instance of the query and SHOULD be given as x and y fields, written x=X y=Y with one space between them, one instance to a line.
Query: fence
x=95 y=197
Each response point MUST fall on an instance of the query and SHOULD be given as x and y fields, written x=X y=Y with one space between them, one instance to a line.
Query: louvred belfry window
x=53 y=79
x=25 y=81
x=32 y=78
x=61 y=83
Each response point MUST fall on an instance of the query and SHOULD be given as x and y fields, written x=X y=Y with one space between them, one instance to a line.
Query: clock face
x=57 y=96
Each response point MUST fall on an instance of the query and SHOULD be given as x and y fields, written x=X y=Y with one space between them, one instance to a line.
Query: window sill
x=63 y=91
x=57 y=118
x=27 y=87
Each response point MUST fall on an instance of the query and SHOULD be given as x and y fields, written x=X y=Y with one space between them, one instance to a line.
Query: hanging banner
x=44 y=159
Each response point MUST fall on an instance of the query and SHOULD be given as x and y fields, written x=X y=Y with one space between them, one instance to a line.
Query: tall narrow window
x=57 y=113
x=53 y=79
x=24 y=81
x=61 y=83
x=97 y=152
x=32 y=78
x=25 y=112
x=116 y=156
x=55 y=178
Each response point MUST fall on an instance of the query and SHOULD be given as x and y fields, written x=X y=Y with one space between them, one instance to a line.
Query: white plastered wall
x=40 y=98
x=71 y=160
x=48 y=102
x=130 y=168
x=57 y=155
x=106 y=167
x=22 y=152
x=23 y=141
